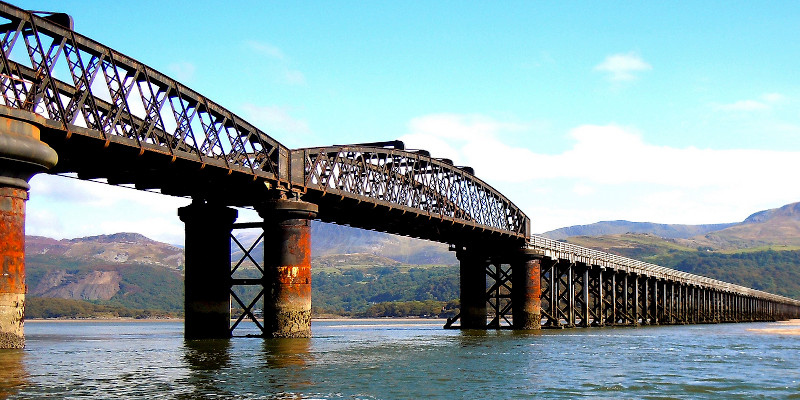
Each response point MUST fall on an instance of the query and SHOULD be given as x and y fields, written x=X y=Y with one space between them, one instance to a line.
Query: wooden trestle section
x=582 y=287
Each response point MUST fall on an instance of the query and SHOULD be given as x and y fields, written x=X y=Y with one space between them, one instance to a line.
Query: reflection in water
x=472 y=337
x=12 y=372
x=207 y=355
x=283 y=353
x=203 y=359
x=287 y=361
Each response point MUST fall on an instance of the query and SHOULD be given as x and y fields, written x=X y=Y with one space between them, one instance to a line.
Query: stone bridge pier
x=22 y=155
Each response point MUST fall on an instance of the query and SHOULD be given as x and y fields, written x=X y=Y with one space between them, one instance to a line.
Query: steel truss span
x=118 y=99
x=412 y=184
x=130 y=124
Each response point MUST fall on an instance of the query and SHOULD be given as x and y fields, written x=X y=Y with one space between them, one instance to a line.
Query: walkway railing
x=566 y=251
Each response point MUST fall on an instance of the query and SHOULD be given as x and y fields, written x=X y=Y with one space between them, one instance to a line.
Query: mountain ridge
x=670 y=231
x=767 y=228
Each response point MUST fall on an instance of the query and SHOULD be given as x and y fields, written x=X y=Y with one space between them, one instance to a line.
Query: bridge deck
x=558 y=250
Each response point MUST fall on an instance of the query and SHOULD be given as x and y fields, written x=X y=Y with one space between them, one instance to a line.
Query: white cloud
x=622 y=67
x=294 y=77
x=612 y=172
x=289 y=75
x=274 y=119
x=773 y=97
x=61 y=207
x=267 y=49
x=183 y=72
x=743 y=105
x=582 y=189
x=766 y=102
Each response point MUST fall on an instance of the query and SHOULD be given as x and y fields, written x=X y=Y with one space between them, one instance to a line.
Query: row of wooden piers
x=580 y=295
x=553 y=284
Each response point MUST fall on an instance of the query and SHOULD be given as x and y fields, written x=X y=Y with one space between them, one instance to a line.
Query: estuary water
x=403 y=359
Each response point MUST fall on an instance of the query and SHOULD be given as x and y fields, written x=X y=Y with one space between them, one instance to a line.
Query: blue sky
x=681 y=112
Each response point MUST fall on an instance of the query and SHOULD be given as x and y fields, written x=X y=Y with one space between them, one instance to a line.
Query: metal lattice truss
x=498 y=295
x=248 y=259
x=119 y=98
x=412 y=182
x=81 y=87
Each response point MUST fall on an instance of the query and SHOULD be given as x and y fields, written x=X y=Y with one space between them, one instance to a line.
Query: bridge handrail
x=558 y=249
x=102 y=97
x=409 y=180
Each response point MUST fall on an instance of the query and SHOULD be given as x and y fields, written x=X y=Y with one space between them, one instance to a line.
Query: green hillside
x=133 y=286
x=775 y=268
x=640 y=246
x=39 y=307
x=352 y=291
x=772 y=271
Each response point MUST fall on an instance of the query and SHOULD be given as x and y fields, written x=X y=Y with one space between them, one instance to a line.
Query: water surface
x=402 y=359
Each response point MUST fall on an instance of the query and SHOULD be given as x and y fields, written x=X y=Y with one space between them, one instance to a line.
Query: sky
x=672 y=112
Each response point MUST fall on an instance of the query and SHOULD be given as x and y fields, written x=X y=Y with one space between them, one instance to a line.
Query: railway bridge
x=72 y=106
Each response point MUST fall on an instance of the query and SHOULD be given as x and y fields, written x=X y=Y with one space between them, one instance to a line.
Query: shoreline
x=787 y=328
x=336 y=319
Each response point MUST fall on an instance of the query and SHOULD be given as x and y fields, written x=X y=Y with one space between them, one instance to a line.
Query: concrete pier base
x=473 y=289
x=526 y=292
x=22 y=155
x=287 y=267
x=208 y=270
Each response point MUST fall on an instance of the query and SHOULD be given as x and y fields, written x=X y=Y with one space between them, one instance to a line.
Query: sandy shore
x=790 y=328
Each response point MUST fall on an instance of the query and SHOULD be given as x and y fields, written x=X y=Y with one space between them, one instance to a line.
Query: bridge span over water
x=73 y=106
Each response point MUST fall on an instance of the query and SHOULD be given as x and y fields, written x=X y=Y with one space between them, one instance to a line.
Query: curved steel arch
x=121 y=98
x=412 y=182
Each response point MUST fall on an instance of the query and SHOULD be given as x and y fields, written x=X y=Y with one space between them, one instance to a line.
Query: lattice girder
x=411 y=182
x=111 y=105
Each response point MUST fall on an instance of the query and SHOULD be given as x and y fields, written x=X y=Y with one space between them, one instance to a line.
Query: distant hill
x=669 y=231
x=123 y=269
x=640 y=246
x=761 y=252
x=777 y=228
x=331 y=239
x=118 y=248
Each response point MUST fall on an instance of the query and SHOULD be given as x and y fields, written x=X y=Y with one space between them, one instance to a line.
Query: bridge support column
x=287 y=263
x=473 y=289
x=208 y=270
x=526 y=292
x=22 y=155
